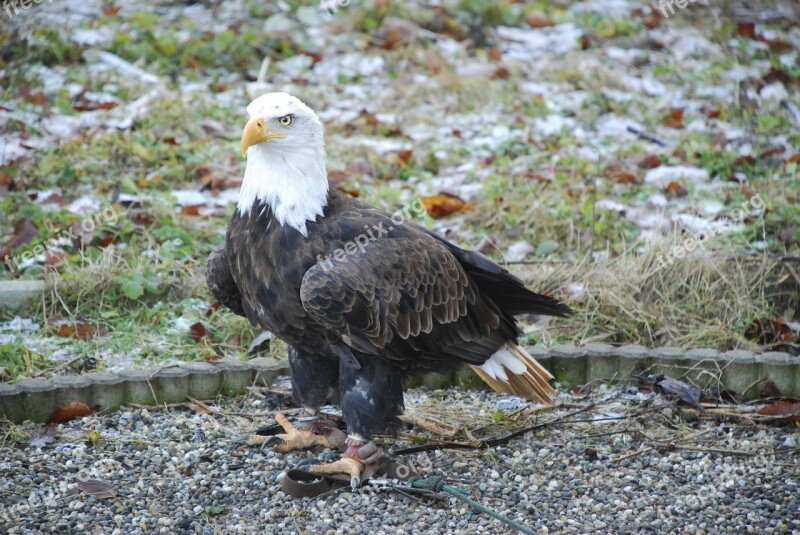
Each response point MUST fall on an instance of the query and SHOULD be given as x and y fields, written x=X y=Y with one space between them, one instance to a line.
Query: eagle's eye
x=286 y=120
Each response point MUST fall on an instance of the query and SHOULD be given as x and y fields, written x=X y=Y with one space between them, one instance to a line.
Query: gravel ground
x=183 y=471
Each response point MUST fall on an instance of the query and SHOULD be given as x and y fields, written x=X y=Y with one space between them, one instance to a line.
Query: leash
x=304 y=484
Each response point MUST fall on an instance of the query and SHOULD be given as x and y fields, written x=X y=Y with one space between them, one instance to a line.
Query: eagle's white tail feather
x=512 y=370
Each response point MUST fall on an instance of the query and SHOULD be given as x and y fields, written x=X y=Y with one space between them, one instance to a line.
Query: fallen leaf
x=782 y=408
x=111 y=11
x=69 y=411
x=199 y=409
x=769 y=390
x=404 y=156
x=98 y=488
x=191 y=209
x=54 y=258
x=776 y=45
x=746 y=29
x=649 y=161
x=443 y=205
x=37 y=99
x=794 y=158
x=501 y=73
x=675 y=118
x=767 y=331
x=53 y=198
x=92 y=106
x=198 y=331
x=769 y=152
x=212 y=308
x=687 y=393
x=42 y=437
x=494 y=53
x=652 y=19
x=675 y=190
x=24 y=232
x=78 y=330
x=106 y=241
x=538 y=19
x=626 y=178
x=316 y=57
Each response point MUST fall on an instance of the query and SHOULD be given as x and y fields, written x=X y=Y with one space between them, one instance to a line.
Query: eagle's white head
x=285 y=150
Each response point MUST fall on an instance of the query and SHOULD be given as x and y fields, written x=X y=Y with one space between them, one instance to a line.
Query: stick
x=649 y=137
x=632 y=454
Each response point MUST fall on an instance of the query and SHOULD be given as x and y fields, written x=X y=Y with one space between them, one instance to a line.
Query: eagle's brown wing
x=407 y=298
x=220 y=281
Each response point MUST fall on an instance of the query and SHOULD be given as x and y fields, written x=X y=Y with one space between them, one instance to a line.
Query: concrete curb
x=16 y=294
x=572 y=366
x=36 y=399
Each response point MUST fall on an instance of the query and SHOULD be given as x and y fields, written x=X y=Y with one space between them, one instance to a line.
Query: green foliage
x=134 y=284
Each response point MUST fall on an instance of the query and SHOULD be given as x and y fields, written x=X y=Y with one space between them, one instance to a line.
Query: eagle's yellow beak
x=254 y=134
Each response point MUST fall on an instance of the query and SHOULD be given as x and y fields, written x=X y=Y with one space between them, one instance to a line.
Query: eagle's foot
x=305 y=435
x=360 y=459
x=365 y=451
x=346 y=465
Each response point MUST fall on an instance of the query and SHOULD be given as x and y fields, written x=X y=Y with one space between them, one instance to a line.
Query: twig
x=793 y=110
x=160 y=406
x=792 y=270
x=490 y=443
x=721 y=451
x=649 y=137
x=57 y=368
x=632 y=454
x=751 y=385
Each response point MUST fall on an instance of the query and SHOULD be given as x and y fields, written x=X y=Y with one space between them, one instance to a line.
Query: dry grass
x=700 y=301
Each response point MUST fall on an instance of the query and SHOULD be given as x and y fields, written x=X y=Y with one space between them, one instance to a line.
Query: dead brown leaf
x=538 y=19
x=404 y=156
x=675 y=190
x=191 y=210
x=790 y=409
x=443 y=205
x=675 y=118
x=626 y=178
x=746 y=29
x=649 y=161
x=96 y=487
x=69 y=411
x=24 y=232
x=198 y=331
x=769 y=390
x=81 y=331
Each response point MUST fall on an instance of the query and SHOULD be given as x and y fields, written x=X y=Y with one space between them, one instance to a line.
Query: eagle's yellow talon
x=292 y=439
x=346 y=465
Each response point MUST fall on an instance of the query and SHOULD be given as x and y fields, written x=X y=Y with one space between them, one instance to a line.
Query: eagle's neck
x=293 y=184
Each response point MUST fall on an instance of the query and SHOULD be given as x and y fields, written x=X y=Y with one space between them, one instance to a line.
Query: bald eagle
x=361 y=299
